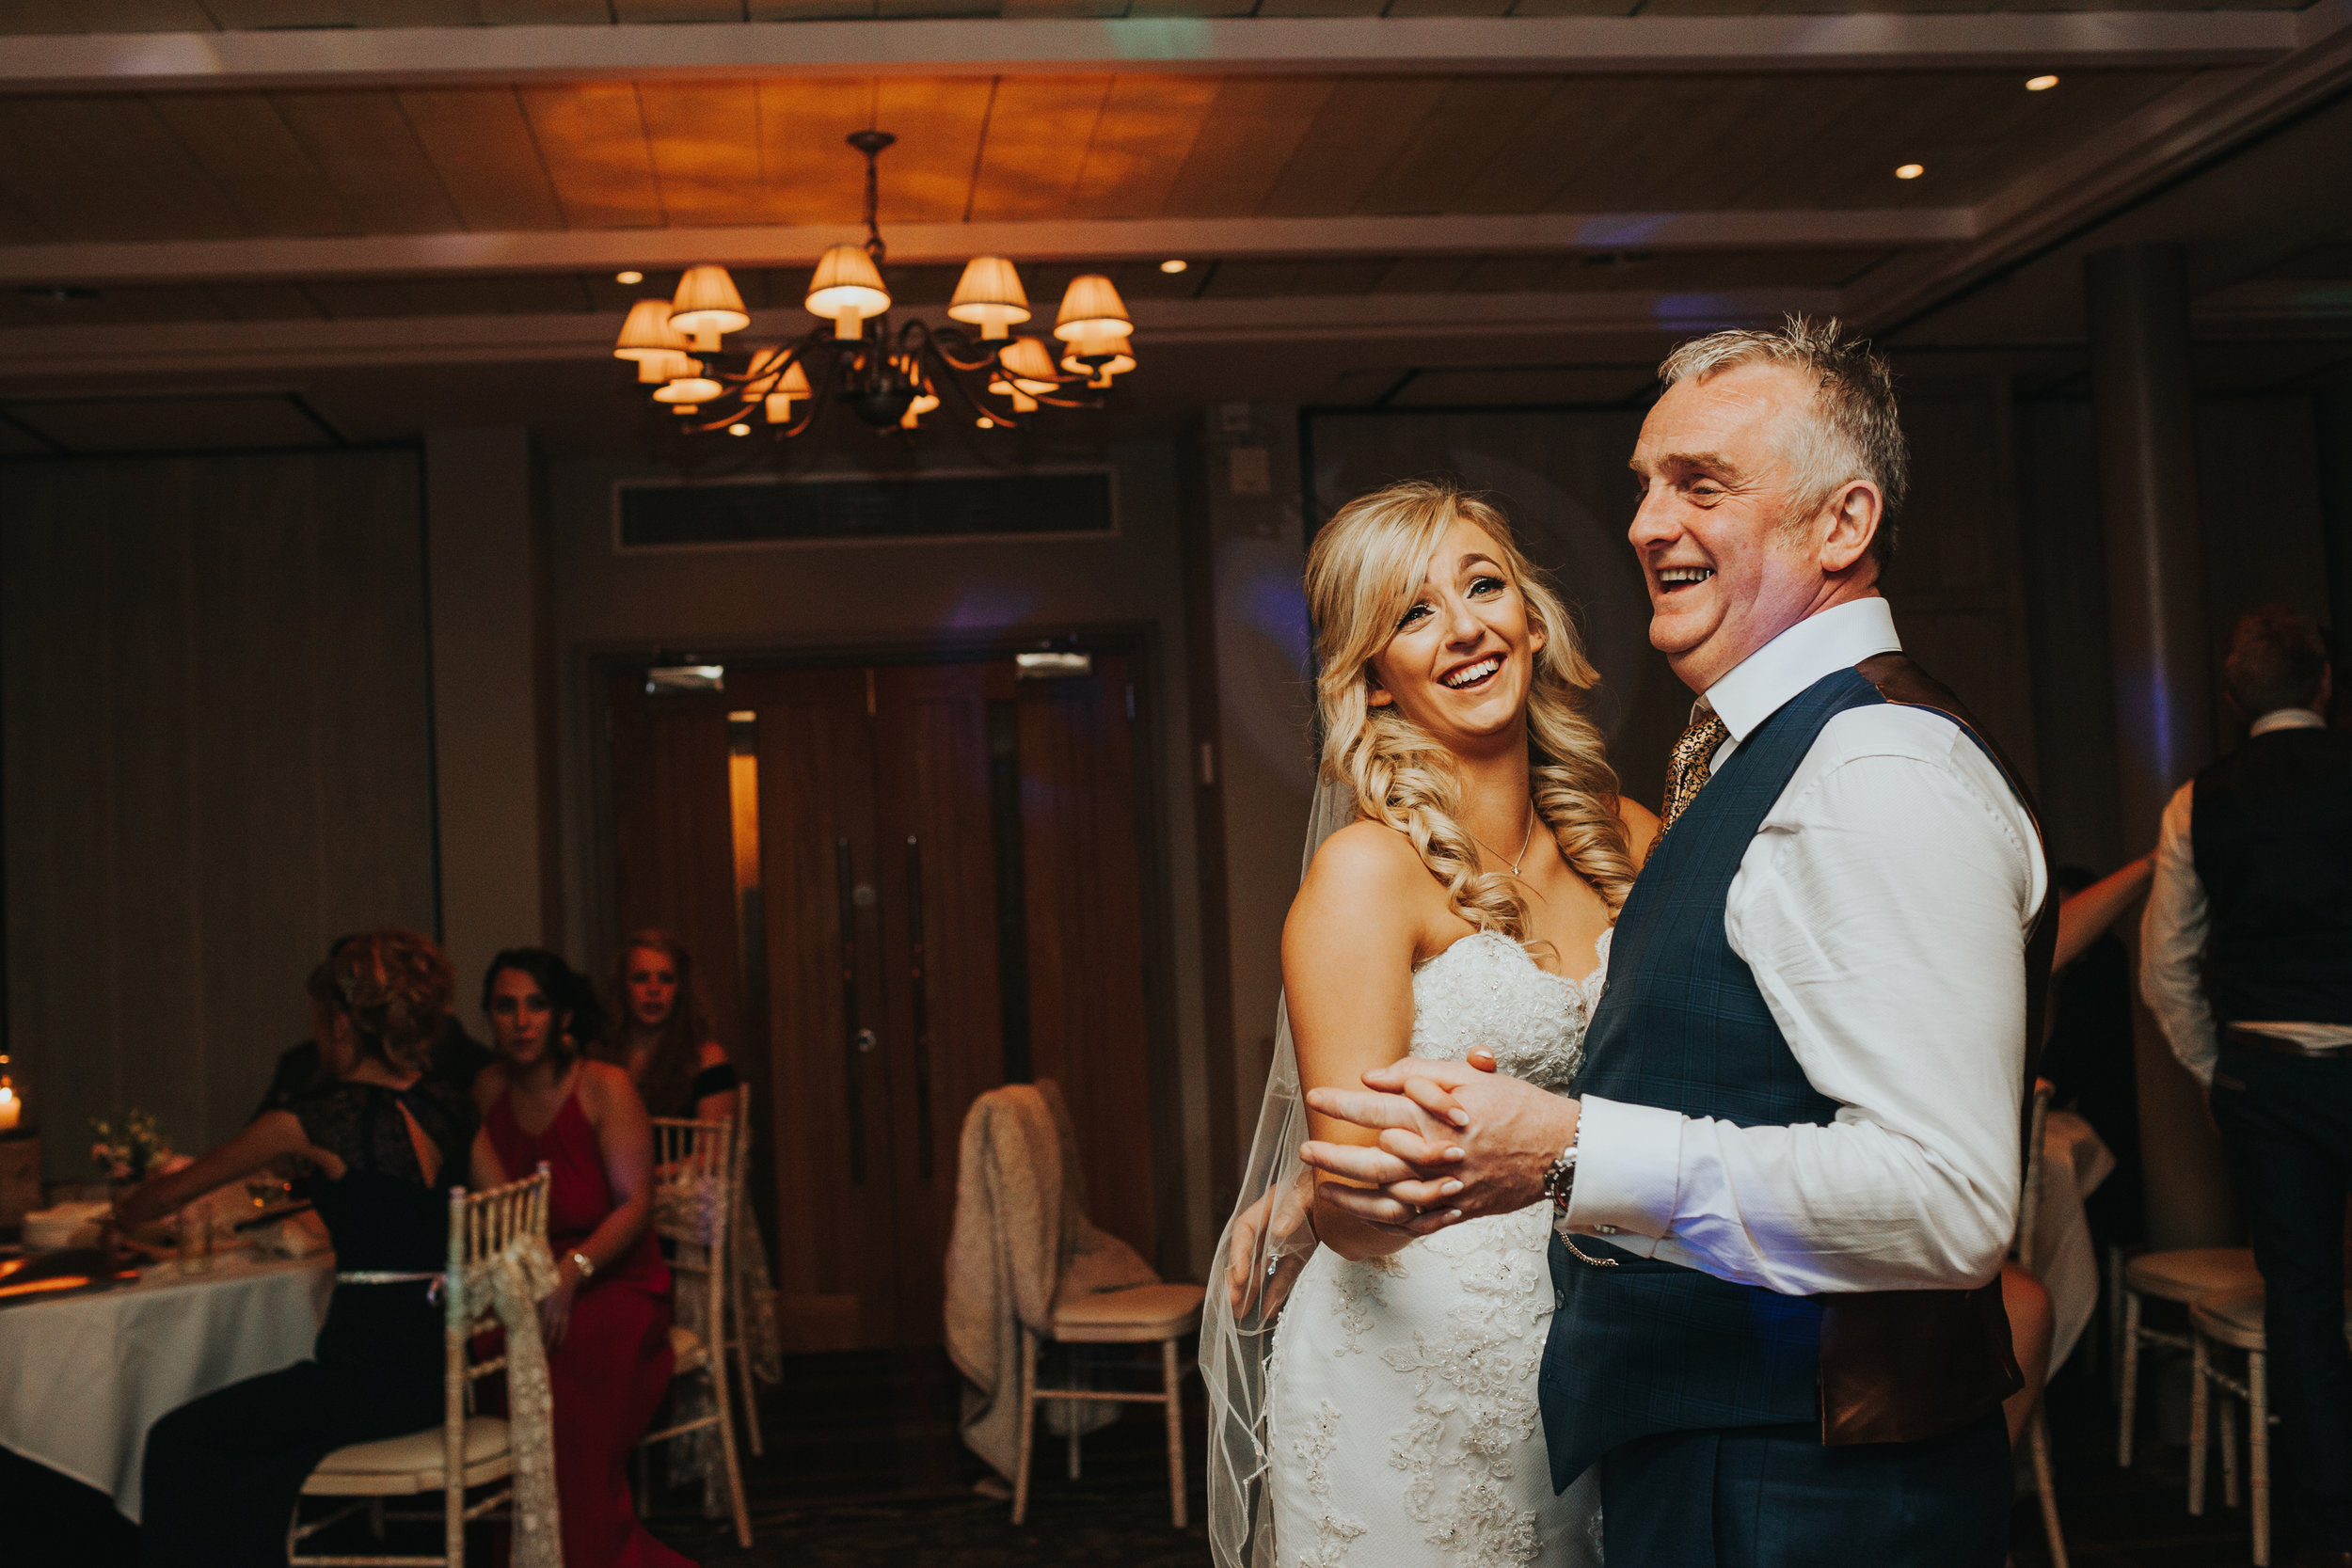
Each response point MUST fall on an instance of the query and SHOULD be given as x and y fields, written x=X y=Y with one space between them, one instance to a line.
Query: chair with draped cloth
x=696 y=1178
x=499 y=1269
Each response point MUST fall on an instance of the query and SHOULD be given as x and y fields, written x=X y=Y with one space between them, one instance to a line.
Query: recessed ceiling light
x=633 y=276
x=1910 y=171
x=739 y=430
x=2039 y=84
x=1172 y=264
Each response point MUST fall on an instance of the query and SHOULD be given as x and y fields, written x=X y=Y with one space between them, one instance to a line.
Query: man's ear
x=1853 y=514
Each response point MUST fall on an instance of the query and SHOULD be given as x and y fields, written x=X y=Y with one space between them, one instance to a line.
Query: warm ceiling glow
x=1172 y=264
x=2039 y=84
x=1910 y=171
x=739 y=430
x=985 y=422
x=633 y=276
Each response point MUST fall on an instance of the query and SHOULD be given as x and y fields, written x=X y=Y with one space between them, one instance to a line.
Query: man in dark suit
x=2246 y=956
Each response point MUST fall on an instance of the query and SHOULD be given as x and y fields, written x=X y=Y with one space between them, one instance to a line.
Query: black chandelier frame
x=875 y=376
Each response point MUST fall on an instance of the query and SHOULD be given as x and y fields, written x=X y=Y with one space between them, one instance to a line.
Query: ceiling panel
x=1147 y=129
x=705 y=145
x=482 y=149
x=1361 y=127
x=257 y=161
x=1252 y=132
x=592 y=141
x=1561 y=138
x=939 y=122
x=363 y=145
x=809 y=176
x=107 y=168
x=1038 y=130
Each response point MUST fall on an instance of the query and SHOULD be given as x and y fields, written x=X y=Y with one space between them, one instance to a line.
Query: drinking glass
x=196 y=1238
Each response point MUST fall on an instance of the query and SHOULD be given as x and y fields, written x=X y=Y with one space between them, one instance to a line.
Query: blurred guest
x=2089 y=1052
x=608 y=1321
x=455 y=1057
x=2246 y=960
x=666 y=1045
x=665 y=1042
x=223 y=1472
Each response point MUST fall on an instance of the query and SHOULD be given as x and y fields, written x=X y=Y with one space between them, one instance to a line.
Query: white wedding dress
x=1403 y=1426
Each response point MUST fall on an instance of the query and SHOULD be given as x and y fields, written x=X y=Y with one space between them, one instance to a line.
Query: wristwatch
x=586 y=1266
x=1560 y=1179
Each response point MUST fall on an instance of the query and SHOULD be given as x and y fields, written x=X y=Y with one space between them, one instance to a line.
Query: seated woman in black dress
x=223 y=1472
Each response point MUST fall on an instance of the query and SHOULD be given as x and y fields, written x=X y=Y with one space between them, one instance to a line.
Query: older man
x=1790 y=1169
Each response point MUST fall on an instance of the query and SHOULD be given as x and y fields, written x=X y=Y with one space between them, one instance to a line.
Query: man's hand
x=1457 y=1141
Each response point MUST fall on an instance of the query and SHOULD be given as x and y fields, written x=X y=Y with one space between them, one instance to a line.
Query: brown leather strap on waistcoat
x=1904 y=1366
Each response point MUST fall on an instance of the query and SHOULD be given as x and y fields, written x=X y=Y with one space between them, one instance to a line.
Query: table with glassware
x=86 y=1373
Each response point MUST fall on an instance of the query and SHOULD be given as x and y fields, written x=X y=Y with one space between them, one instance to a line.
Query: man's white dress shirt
x=1884 y=908
x=2174 y=927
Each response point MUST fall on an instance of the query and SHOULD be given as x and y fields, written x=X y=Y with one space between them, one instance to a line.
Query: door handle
x=921 y=1009
x=858 y=1039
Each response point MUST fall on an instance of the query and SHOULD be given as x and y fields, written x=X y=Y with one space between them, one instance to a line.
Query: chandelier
x=851 y=357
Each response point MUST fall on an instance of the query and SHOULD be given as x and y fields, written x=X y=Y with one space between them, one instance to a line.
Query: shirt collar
x=2287 y=719
x=1837 y=638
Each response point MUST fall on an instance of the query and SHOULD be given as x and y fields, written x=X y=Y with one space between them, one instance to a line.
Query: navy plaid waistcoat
x=1651 y=1346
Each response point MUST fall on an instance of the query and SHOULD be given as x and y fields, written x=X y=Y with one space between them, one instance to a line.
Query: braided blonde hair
x=1367 y=564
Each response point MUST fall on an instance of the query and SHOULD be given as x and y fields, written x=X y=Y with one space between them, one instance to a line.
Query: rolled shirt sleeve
x=2173 y=931
x=1883 y=908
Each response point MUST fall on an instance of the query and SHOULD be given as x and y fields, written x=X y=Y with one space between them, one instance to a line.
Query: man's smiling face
x=1729 y=561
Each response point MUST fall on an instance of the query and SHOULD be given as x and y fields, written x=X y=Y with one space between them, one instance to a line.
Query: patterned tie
x=1686 y=768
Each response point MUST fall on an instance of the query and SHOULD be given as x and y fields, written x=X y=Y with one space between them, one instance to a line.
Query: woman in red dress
x=607 y=1325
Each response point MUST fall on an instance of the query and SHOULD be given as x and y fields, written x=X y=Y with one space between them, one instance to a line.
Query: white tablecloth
x=2073 y=1162
x=83 y=1377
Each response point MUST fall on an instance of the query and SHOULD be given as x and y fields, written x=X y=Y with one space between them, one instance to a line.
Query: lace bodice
x=1486 y=990
x=1404 y=1424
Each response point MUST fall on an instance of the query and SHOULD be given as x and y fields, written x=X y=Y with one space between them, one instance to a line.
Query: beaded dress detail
x=1403 y=1428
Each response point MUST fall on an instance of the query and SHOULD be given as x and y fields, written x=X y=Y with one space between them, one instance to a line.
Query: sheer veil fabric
x=1235 y=1342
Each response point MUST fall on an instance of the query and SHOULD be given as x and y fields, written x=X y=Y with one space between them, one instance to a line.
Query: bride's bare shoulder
x=1365 y=894
x=1368 y=866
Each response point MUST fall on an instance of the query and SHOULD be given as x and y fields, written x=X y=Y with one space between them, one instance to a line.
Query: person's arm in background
x=2086 y=917
x=2173 y=934
x=714 y=1068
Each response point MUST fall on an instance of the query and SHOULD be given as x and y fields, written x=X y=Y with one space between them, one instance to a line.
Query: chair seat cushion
x=2236 y=1318
x=416 y=1457
x=1138 y=1313
x=686 y=1351
x=2189 y=1274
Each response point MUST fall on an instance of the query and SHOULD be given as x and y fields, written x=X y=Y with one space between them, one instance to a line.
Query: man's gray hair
x=1855 y=432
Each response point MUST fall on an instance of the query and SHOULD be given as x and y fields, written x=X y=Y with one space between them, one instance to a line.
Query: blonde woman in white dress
x=1374 y=1405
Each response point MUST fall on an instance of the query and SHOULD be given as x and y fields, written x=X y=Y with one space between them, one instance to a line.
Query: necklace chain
x=1527 y=839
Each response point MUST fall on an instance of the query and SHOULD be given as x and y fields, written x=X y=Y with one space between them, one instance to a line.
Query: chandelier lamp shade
x=989 y=297
x=847 y=289
x=889 y=379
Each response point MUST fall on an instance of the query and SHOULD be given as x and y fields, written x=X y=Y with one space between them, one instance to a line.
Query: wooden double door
x=904 y=884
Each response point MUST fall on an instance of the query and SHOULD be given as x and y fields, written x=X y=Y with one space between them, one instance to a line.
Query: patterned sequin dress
x=1404 y=1426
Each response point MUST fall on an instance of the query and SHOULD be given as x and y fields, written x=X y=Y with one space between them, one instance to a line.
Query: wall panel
x=213 y=686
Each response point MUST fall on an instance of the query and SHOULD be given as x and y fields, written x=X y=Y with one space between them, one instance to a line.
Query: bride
x=1374 y=1397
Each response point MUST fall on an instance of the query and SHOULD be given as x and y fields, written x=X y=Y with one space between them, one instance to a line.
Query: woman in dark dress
x=608 y=1323
x=223 y=1472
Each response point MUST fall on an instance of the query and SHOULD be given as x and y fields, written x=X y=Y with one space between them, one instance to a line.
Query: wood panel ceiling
x=606 y=155
x=94 y=16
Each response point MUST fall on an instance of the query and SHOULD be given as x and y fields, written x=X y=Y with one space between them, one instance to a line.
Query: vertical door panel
x=943 y=1038
x=837 y=1286
x=1087 y=1007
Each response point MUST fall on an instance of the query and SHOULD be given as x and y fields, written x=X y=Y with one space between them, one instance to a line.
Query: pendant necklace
x=1524 y=842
